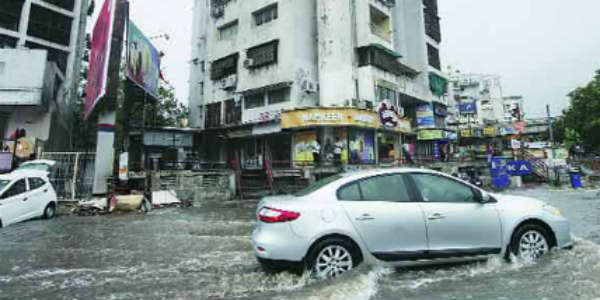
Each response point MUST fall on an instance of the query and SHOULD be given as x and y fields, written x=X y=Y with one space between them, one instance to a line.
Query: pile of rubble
x=129 y=203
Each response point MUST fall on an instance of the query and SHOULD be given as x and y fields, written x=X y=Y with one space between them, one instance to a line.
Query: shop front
x=341 y=136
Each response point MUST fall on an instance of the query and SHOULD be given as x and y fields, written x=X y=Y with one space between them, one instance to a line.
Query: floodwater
x=206 y=253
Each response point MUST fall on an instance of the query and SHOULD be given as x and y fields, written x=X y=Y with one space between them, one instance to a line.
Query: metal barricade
x=73 y=175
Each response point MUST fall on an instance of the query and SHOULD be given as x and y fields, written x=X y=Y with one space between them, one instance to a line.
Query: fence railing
x=73 y=175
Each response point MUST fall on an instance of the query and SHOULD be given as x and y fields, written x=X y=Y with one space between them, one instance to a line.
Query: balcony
x=381 y=32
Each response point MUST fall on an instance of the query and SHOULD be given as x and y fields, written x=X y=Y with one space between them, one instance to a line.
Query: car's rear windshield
x=317 y=185
x=41 y=167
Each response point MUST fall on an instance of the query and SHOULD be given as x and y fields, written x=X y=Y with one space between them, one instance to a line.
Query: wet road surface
x=206 y=253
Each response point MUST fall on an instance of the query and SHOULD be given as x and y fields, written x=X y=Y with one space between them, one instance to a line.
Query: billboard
x=143 y=60
x=467 y=107
x=99 y=57
x=425 y=118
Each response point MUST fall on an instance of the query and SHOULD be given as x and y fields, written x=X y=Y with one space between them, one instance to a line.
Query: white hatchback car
x=24 y=195
x=400 y=217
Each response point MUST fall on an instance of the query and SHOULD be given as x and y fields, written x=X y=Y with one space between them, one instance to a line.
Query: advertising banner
x=489 y=131
x=425 y=118
x=468 y=107
x=99 y=57
x=143 y=60
x=304 y=143
x=362 y=146
x=343 y=117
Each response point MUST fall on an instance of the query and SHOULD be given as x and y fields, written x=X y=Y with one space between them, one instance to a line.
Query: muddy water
x=206 y=253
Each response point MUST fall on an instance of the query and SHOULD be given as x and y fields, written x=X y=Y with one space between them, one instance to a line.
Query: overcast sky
x=542 y=49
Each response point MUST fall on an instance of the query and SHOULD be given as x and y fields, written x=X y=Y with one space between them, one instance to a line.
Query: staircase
x=255 y=184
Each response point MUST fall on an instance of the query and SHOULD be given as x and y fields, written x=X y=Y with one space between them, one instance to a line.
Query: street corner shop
x=288 y=141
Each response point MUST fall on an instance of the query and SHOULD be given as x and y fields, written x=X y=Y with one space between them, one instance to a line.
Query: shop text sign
x=337 y=117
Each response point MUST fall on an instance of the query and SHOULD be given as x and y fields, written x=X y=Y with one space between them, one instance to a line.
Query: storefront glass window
x=386 y=146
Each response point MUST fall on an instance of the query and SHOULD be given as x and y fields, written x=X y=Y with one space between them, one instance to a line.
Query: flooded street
x=206 y=253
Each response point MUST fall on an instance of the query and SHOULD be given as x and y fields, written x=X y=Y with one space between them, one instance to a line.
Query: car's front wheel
x=50 y=211
x=332 y=258
x=530 y=242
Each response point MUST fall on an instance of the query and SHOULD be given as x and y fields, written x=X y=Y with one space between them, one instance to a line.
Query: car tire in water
x=50 y=211
x=530 y=242
x=332 y=257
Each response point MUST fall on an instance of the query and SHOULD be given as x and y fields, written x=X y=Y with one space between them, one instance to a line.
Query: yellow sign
x=305 y=143
x=489 y=131
x=427 y=135
x=466 y=133
x=336 y=117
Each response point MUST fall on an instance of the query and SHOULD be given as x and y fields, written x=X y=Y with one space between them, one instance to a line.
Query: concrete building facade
x=276 y=78
x=513 y=107
x=40 y=61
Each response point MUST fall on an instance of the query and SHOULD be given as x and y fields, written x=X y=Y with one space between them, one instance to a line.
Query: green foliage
x=582 y=118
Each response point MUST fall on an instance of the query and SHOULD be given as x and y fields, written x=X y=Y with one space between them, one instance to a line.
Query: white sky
x=543 y=49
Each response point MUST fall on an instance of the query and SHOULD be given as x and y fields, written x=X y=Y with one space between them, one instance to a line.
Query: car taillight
x=273 y=215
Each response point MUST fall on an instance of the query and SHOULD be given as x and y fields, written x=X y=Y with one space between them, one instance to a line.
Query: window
x=233 y=112
x=229 y=31
x=317 y=185
x=65 y=4
x=255 y=100
x=224 y=67
x=17 y=188
x=378 y=188
x=279 y=96
x=433 y=56
x=203 y=66
x=350 y=193
x=383 y=93
x=440 y=189
x=265 y=15
x=10 y=14
x=213 y=115
x=36 y=183
x=49 y=25
x=263 y=55
x=201 y=87
x=380 y=24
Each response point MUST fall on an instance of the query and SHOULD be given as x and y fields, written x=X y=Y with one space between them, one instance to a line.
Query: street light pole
x=551 y=131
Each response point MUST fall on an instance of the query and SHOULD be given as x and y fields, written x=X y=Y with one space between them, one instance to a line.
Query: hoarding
x=99 y=57
x=429 y=135
x=143 y=60
x=425 y=118
x=467 y=107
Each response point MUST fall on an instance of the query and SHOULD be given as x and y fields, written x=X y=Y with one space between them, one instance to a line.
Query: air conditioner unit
x=248 y=63
x=309 y=86
x=228 y=82
x=362 y=104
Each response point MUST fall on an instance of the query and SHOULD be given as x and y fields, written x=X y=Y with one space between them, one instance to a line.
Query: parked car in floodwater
x=24 y=195
x=400 y=217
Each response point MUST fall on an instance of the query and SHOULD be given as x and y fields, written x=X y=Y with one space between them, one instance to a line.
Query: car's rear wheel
x=530 y=242
x=50 y=211
x=332 y=258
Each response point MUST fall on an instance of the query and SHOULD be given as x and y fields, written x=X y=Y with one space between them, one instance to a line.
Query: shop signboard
x=519 y=167
x=425 y=118
x=468 y=107
x=489 y=131
x=143 y=60
x=515 y=144
x=440 y=110
x=311 y=117
x=507 y=131
x=429 y=135
x=99 y=57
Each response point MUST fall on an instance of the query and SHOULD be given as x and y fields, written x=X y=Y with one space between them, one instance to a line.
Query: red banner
x=99 y=54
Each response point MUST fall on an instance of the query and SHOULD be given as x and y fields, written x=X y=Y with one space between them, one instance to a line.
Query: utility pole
x=551 y=131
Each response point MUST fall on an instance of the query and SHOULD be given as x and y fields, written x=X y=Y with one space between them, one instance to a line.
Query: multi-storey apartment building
x=40 y=56
x=323 y=80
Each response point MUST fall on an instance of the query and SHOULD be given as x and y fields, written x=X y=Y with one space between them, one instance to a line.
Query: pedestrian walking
x=316 y=151
x=337 y=150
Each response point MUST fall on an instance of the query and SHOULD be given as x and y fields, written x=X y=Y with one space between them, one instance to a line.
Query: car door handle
x=25 y=199
x=365 y=217
x=46 y=190
x=436 y=216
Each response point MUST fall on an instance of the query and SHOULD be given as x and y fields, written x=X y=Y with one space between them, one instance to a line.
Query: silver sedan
x=400 y=217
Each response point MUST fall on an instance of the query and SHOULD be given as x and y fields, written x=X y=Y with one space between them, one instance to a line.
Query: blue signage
x=425 y=117
x=519 y=167
x=467 y=107
x=500 y=178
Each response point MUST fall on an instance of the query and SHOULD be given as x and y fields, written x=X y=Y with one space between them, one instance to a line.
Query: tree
x=582 y=118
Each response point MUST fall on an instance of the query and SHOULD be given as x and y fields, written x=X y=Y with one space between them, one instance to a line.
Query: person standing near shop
x=337 y=150
x=316 y=151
